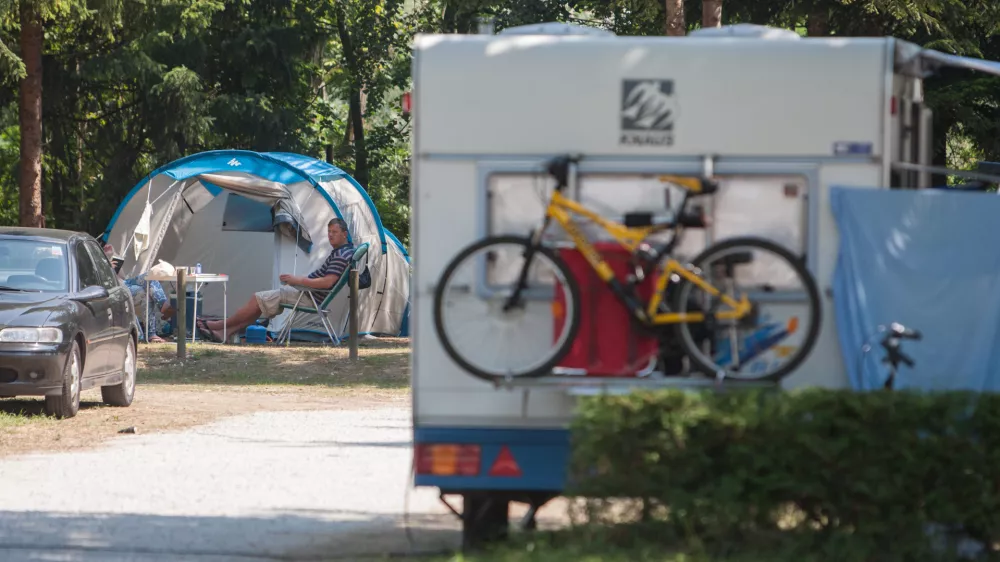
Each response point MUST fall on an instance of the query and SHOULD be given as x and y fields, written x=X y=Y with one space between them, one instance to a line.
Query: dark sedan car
x=66 y=321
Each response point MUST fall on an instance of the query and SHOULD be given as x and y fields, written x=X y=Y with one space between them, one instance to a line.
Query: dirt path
x=169 y=407
x=216 y=382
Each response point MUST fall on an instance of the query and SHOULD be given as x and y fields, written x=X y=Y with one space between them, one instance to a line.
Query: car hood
x=29 y=309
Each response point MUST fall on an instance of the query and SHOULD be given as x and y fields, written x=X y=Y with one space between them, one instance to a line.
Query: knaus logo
x=648 y=111
x=233 y=162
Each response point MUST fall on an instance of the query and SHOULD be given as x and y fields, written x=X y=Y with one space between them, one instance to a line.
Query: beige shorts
x=270 y=301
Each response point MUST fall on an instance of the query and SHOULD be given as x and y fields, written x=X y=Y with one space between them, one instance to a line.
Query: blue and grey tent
x=254 y=216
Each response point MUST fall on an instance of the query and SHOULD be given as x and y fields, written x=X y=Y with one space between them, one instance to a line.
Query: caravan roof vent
x=554 y=28
x=746 y=30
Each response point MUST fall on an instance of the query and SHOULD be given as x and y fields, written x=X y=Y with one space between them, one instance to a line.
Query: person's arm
x=323 y=278
x=326 y=282
x=159 y=297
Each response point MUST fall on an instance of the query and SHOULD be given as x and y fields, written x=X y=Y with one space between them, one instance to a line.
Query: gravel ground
x=314 y=485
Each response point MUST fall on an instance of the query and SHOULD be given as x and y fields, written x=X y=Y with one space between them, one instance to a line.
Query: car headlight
x=31 y=335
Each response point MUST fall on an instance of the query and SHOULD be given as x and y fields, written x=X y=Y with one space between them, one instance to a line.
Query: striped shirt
x=336 y=264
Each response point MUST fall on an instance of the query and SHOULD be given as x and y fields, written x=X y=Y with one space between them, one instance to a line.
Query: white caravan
x=777 y=118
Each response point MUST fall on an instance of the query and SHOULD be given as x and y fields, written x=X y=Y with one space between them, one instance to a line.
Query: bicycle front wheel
x=486 y=336
x=782 y=328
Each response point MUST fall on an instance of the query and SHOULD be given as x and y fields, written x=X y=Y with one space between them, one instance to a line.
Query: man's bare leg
x=246 y=315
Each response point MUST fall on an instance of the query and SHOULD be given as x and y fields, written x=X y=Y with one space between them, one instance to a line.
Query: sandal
x=206 y=333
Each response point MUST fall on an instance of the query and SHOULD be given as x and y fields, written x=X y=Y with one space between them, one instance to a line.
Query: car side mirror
x=91 y=293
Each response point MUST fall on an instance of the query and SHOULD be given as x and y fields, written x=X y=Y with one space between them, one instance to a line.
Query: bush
x=855 y=475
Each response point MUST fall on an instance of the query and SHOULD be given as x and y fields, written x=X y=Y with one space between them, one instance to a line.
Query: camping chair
x=321 y=309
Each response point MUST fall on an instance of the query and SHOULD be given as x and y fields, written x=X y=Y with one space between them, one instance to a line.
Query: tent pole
x=160 y=196
x=154 y=246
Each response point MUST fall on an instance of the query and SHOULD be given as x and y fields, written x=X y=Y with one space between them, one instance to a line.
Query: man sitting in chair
x=267 y=304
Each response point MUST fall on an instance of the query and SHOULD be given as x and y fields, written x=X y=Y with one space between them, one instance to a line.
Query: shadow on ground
x=35 y=407
x=307 y=536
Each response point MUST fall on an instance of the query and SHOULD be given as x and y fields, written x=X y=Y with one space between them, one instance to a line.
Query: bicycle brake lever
x=905 y=359
x=895 y=356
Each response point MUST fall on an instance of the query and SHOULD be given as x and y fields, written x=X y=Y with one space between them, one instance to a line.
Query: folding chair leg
x=325 y=321
x=330 y=330
x=286 y=331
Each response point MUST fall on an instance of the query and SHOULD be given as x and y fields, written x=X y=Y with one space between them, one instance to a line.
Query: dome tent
x=256 y=215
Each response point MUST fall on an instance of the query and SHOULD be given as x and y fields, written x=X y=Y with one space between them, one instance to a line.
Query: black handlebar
x=891 y=343
x=558 y=167
x=900 y=331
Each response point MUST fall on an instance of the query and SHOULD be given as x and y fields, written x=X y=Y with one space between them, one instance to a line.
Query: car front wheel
x=68 y=404
x=122 y=393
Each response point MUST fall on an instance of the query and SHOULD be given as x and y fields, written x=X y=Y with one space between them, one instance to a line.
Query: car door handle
x=110 y=314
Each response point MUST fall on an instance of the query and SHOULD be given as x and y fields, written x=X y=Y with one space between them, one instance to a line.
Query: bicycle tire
x=812 y=291
x=573 y=322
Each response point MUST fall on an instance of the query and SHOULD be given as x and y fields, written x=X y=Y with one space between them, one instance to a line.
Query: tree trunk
x=81 y=133
x=940 y=127
x=448 y=18
x=711 y=13
x=360 y=151
x=818 y=24
x=30 y=115
x=676 y=25
x=354 y=101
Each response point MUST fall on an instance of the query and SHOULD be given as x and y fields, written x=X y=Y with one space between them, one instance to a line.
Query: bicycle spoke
x=491 y=340
x=767 y=343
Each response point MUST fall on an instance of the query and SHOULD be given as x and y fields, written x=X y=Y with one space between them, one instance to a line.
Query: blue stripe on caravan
x=542 y=455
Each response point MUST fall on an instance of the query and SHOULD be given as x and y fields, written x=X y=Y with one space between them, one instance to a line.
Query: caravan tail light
x=505 y=464
x=449 y=459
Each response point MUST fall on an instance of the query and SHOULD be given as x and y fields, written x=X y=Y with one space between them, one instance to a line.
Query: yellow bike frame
x=561 y=209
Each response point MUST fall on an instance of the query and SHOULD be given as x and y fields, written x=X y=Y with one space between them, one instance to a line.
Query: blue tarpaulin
x=929 y=259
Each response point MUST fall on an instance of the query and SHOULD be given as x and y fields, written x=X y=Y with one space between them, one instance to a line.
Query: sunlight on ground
x=216 y=381
x=382 y=363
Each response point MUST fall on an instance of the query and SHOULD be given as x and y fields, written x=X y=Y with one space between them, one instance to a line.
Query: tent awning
x=286 y=215
x=916 y=61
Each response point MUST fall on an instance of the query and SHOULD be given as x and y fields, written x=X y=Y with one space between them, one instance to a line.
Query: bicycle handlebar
x=900 y=331
x=558 y=167
x=894 y=335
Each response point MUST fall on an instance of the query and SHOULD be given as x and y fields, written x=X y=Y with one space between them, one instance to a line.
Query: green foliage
x=130 y=85
x=849 y=475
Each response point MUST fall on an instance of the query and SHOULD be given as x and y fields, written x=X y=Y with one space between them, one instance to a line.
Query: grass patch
x=655 y=542
x=580 y=545
x=16 y=413
x=12 y=419
x=382 y=363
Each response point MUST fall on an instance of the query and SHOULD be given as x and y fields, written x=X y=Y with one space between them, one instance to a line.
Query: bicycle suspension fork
x=529 y=253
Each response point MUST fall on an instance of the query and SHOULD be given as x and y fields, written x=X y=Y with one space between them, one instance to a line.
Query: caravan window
x=516 y=203
x=246 y=215
x=772 y=207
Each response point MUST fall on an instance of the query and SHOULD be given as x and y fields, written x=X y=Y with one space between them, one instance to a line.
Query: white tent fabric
x=255 y=216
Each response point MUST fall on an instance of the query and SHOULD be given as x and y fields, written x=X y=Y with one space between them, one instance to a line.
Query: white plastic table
x=199 y=280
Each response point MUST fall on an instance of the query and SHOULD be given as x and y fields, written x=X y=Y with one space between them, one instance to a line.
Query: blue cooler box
x=256 y=334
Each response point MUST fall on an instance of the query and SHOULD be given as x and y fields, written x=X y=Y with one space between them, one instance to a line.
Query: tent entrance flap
x=286 y=216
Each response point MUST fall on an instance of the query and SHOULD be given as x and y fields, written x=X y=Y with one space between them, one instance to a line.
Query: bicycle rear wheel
x=490 y=342
x=781 y=330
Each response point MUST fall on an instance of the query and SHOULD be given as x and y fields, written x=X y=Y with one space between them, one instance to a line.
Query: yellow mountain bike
x=744 y=308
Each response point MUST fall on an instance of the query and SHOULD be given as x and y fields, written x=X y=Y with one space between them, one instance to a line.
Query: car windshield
x=30 y=265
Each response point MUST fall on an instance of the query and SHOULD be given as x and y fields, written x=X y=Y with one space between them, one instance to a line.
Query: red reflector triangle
x=505 y=465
